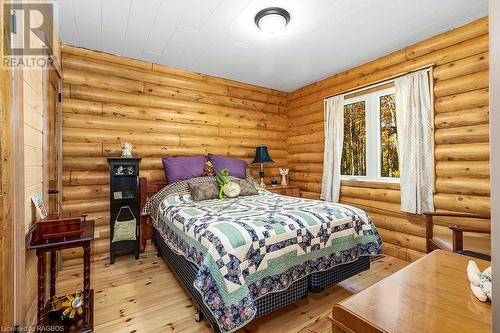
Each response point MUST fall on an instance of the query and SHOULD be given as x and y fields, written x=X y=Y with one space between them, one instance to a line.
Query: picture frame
x=41 y=211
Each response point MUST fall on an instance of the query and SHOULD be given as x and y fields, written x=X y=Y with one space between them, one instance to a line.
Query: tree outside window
x=370 y=149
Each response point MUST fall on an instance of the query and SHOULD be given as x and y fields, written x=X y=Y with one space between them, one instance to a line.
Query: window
x=370 y=137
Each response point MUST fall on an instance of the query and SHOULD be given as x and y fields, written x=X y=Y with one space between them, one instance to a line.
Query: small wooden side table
x=43 y=246
x=290 y=190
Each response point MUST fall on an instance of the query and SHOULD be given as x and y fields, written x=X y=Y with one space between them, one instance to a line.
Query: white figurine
x=119 y=170
x=126 y=149
x=284 y=173
x=480 y=283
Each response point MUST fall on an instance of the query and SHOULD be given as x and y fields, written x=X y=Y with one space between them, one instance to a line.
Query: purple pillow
x=183 y=167
x=236 y=167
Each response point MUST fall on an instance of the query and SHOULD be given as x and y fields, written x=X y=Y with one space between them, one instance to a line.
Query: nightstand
x=291 y=191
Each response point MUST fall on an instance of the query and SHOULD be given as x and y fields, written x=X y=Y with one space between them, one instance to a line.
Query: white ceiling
x=219 y=37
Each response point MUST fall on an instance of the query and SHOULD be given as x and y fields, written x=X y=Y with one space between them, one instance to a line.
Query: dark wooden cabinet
x=125 y=200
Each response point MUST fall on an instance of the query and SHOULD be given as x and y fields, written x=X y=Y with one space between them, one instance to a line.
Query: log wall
x=109 y=99
x=160 y=110
x=461 y=134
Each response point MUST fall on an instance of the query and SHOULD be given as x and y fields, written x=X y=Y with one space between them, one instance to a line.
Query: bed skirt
x=324 y=280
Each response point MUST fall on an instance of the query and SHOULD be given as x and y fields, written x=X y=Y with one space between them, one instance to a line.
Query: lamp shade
x=262 y=156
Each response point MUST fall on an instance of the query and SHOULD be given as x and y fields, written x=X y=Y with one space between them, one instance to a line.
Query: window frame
x=373 y=141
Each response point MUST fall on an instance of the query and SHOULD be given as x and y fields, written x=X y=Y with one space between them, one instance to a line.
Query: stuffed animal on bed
x=480 y=283
x=227 y=188
x=222 y=180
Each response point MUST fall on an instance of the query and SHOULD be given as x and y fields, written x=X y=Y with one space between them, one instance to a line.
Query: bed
x=245 y=257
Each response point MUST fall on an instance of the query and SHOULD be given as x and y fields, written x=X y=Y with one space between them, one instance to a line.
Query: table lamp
x=262 y=157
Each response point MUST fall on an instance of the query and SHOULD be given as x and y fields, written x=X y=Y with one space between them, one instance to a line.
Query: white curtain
x=416 y=160
x=334 y=139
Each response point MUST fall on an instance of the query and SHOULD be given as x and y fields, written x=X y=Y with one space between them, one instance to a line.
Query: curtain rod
x=381 y=82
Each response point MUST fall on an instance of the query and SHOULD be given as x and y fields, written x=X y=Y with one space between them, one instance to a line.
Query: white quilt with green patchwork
x=250 y=246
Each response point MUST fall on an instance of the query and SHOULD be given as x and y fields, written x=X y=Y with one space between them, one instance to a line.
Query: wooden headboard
x=148 y=189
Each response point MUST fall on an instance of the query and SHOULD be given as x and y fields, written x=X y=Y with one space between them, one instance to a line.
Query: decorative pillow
x=232 y=189
x=236 y=167
x=246 y=187
x=182 y=168
x=203 y=191
x=209 y=169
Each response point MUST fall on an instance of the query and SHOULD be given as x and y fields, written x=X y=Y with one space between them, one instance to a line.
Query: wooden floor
x=136 y=296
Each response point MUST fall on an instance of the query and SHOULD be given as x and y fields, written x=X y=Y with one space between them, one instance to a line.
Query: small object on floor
x=480 y=283
x=73 y=306
x=198 y=316
x=67 y=307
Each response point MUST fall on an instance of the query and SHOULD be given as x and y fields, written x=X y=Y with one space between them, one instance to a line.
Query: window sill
x=388 y=185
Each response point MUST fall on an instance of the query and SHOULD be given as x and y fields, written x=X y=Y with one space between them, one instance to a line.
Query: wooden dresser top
x=429 y=295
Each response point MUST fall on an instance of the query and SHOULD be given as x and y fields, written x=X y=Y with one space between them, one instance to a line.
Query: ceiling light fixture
x=272 y=20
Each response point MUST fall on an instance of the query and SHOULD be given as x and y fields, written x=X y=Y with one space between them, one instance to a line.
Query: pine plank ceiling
x=219 y=37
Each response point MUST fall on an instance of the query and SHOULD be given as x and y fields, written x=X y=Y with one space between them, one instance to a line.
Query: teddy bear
x=480 y=283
